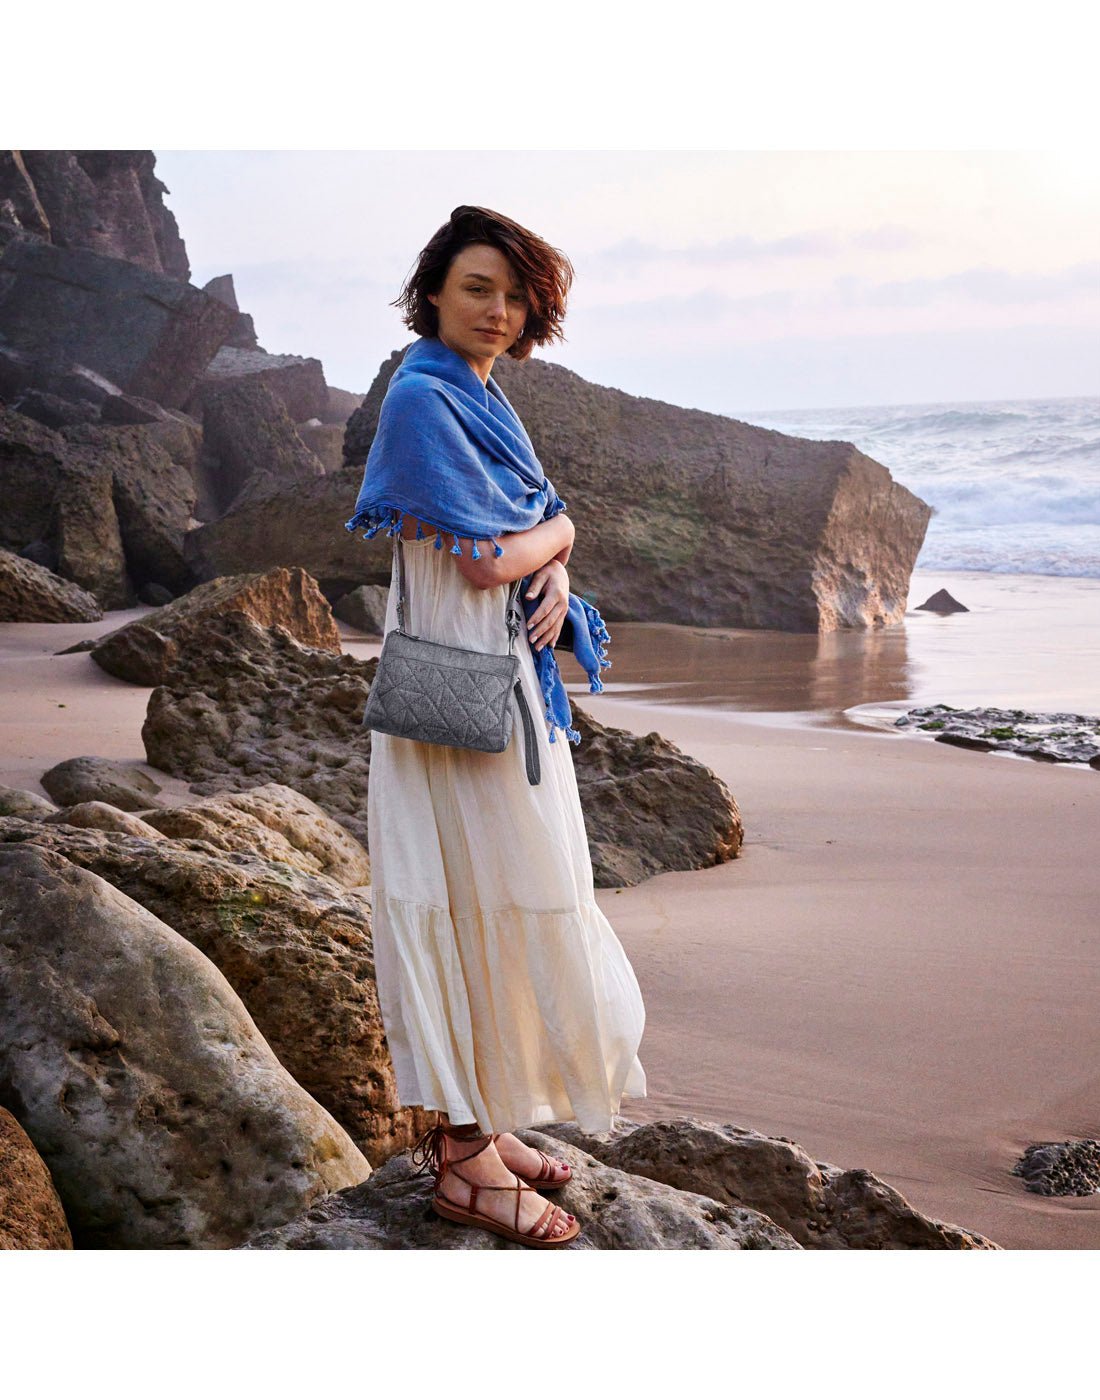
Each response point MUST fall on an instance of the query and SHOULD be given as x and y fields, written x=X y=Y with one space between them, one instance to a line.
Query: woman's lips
x=492 y=333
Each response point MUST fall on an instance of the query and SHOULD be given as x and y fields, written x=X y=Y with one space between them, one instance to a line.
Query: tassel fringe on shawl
x=453 y=453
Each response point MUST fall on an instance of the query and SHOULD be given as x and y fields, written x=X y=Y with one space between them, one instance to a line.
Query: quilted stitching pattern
x=442 y=695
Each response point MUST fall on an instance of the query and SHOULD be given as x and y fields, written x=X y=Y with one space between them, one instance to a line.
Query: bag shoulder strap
x=513 y=616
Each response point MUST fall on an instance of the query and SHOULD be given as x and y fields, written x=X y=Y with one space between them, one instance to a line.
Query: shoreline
x=889 y=973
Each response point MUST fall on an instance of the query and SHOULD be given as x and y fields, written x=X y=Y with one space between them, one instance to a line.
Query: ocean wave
x=1015 y=485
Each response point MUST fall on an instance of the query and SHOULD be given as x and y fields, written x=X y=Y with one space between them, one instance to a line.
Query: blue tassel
x=477 y=553
x=419 y=530
x=455 y=547
x=574 y=735
x=497 y=549
x=553 y=735
x=438 y=540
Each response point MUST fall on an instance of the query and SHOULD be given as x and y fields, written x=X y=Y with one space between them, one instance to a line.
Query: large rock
x=292 y=529
x=105 y=507
x=251 y=448
x=59 y=505
x=243 y=705
x=109 y=202
x=822 y=1206
x=616 y=1211
x=243 y=334
x=296 y=381
x=692 y=517
x=17 y=802
x=365 y=608
x=96 y=815
x=144 y=651
x=30 y=593
x=326 y=440
x=164 y=1117
x=93 y=779
x=342 y=403
x=21 y=210
x=31 y=1214
x=295 y=948
x=153 y=496
x=271 y=821
x=86 y=533
x=648 y=806
x=145 y=333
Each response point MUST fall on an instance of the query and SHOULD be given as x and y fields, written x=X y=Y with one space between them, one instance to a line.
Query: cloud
x=992 y=285
x=629 y=253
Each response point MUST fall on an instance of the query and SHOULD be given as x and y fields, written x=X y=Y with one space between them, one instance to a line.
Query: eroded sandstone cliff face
x=108 y=202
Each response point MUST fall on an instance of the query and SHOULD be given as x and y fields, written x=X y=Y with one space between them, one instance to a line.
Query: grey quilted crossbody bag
x=441 y=694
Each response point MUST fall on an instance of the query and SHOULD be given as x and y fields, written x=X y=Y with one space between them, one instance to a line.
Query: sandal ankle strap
x=430 y=1152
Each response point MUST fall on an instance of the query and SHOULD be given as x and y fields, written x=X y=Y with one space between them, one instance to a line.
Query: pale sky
x=732 y=281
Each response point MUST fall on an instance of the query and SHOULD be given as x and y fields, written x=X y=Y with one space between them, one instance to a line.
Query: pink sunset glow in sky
x=729 y=281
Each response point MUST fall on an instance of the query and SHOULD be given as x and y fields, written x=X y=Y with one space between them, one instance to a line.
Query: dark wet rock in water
x=941 y=602
x=1061 y=1168
x=1055 y=737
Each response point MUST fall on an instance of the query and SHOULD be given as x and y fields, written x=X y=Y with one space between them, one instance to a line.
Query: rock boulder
x=164 y=1117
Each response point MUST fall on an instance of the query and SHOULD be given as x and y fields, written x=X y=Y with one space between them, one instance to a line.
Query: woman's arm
x=524 y=552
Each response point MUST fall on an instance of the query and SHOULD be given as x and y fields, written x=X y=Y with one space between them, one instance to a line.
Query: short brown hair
x=544 y=273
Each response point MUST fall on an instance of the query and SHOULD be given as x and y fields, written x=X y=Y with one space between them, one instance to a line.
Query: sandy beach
x=900 y=970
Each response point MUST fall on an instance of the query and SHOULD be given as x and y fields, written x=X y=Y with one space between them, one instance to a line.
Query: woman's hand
x=545 y=623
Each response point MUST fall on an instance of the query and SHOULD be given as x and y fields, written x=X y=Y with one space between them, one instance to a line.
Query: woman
x=507 y=999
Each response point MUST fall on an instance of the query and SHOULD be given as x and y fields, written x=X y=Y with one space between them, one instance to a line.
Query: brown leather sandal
x=544 y=1178
x=431 y=1152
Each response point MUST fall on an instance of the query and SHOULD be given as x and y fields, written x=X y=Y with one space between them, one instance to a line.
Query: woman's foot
x=528 y=1162
x=485 y=1167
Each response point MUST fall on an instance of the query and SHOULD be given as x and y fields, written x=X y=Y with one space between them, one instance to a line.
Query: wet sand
x=902 y=968
x=900 y=971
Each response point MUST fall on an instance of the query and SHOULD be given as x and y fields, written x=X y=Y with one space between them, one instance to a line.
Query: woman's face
x=482 y=307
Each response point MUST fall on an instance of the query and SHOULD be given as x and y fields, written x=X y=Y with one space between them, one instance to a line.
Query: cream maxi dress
x=506 y=996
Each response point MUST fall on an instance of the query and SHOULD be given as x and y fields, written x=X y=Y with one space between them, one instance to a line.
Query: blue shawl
x=451 y=451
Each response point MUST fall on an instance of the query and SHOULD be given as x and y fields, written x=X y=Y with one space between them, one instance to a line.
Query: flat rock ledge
x=1055 y=737
x=820 y=1205
x=392 y=1210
